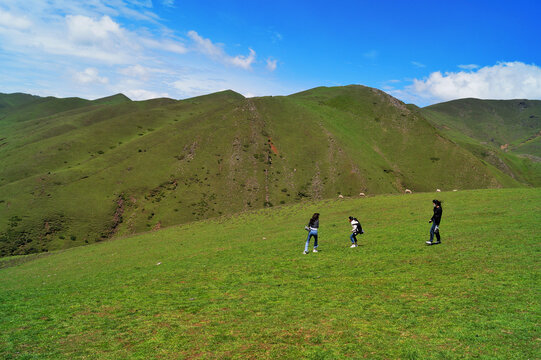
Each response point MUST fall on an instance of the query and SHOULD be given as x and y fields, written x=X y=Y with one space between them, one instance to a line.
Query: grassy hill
x=505 y=133
x=75 y=171
x=10 y=101
x=240 y=287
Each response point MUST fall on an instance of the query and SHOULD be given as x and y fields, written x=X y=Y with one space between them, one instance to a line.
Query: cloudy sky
x=419 y=51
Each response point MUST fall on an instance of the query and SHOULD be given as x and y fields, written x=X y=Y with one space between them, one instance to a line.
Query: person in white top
x=356 y=229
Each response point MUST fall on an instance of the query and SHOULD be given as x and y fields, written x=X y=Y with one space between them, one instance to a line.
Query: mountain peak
x=113 y=99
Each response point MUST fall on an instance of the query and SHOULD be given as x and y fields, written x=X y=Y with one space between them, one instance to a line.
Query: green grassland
x=503 y=133
x=74 y=172
x=240 y=287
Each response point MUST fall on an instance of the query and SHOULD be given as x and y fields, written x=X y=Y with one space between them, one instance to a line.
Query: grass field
x=240 y=287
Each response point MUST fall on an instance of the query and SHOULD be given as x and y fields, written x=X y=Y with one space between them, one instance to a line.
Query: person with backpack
x=435 y=220
x=356 y=230
x=312 y=227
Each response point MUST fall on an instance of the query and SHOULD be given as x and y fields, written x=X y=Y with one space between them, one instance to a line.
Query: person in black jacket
x=313 y=226
x=435 y=220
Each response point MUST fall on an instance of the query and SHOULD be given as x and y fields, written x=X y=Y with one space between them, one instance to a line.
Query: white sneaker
x=315 y=250
x=305 y=252
x=353 y=245
x=429 y=242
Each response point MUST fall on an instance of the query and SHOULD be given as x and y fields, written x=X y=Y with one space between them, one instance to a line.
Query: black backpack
x=359 y=227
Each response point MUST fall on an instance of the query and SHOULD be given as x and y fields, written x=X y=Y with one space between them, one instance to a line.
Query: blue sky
x=419 y=51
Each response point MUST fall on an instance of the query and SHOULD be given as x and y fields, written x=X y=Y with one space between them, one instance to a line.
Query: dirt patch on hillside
x=272 y=147
x=257 y=130
x=117 y=216
x=190 y=150
x=333 y=153
x=531 y=157
x=317 y=184
x=392 y=100
x=530 y=139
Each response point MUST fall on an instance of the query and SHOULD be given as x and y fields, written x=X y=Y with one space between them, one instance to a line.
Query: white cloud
x=142 y=94
x=276 y=36
x=205 y=45
x=244 y=62
x=143 y=3
x=389 y=85
x=101 y=39
x=215 y=52
x=509 y=80
x=195 y=85
x=372 y=54
x=90 y=38
x=84 y=30
x=137 y=71
x=10 y=21
x=90 y=75
x=205 y=81
x=418 y=64
x=469 y=66
x=141 y=72
x=99 y=47
x=79 y=36
x=271 y=64
x=165 y=45
x=168 y=3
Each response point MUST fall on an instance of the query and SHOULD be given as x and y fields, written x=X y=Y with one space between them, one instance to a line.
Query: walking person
x=313 y=226
x=435 y=220
x=355 y=230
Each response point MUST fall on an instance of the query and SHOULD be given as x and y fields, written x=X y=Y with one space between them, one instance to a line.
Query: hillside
x=239 y=287
x=75 y=171
x=497 y=122
x=505 y=133
x=10 y=101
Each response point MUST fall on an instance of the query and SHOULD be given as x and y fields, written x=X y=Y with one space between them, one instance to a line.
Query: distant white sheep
x=340 y=196
x=362 y=194
x=438 y=190
x=408 y=191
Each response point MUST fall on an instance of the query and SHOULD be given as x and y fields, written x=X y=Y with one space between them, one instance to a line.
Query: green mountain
x=10 y=101
x=505 y=133
x=74 y=171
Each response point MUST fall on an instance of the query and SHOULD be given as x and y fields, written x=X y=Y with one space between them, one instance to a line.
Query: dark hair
x=350 y=218
x=437 y=202
x=315 y=217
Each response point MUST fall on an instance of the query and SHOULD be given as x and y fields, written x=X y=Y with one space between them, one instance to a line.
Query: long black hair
x=437 y=202
x=314 y=218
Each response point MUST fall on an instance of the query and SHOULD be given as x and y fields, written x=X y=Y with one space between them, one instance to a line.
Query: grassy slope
x=239 y=287
x=496 y=122
x=482 y=126
x=86 y=170
x=10 y=101
x=380 y=130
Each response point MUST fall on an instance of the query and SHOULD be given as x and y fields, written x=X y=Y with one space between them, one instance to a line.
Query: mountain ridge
x=95 y=170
